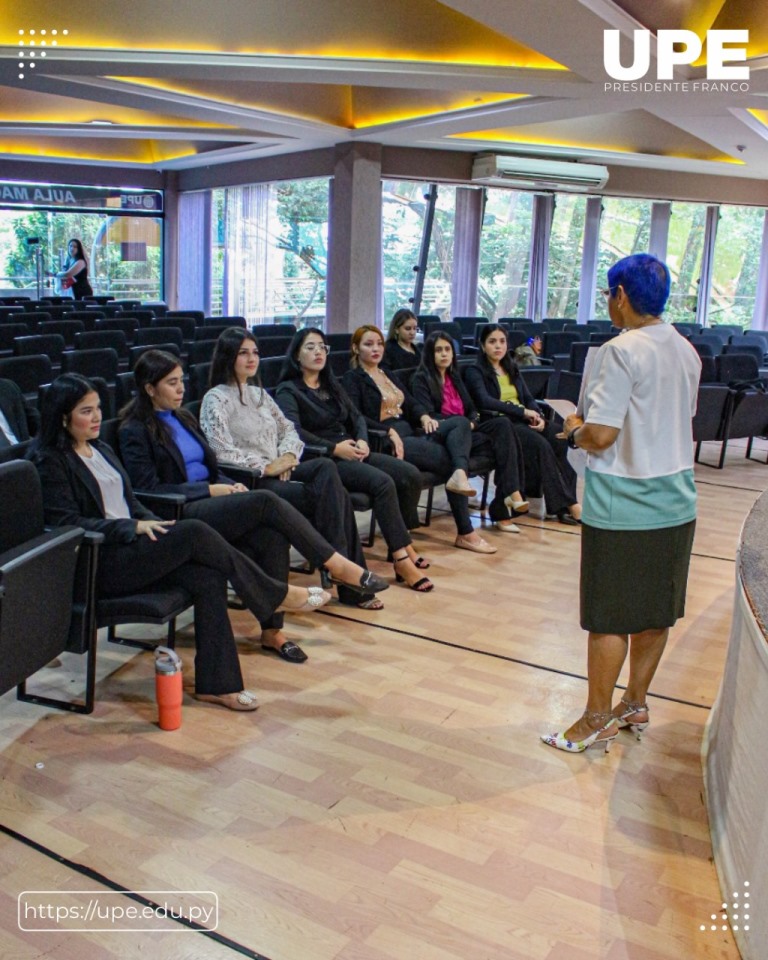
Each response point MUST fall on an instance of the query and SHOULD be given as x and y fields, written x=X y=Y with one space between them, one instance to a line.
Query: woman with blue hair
x=639 y=505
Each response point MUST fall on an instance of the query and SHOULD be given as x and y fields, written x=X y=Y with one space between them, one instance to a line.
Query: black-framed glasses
x=609 y=292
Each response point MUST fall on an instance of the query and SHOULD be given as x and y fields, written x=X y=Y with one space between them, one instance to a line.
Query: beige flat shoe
x=506 y=526
x=479 y=546
x=245 y=700
x=458 y=483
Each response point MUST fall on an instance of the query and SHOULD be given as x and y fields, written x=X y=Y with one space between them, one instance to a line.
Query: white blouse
x=111 y=485
x=251 y=432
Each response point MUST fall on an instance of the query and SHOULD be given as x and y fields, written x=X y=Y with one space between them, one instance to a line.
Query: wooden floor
x=391 y=800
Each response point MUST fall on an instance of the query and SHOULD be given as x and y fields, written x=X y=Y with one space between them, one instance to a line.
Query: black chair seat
x=159 y=606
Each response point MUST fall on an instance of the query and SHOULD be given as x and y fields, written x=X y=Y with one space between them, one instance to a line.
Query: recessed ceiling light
x=100 y=123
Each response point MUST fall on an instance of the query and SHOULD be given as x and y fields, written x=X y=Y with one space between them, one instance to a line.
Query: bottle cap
x=167 y=660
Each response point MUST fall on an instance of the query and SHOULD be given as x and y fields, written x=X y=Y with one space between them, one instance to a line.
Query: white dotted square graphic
x=27 y=56
x=736 y=906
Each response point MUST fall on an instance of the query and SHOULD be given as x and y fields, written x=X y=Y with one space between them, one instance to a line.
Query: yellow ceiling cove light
x=396 y=30
x=402 y=114
x=760 y=115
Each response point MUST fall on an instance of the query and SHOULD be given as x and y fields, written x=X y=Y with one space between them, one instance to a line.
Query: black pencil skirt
x=634 y=580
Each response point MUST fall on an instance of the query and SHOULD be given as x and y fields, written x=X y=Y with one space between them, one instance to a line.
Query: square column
x=354 y=240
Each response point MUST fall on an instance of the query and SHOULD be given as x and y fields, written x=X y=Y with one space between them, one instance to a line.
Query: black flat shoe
x=289 y=651
x=568 y=520
x=369 y=583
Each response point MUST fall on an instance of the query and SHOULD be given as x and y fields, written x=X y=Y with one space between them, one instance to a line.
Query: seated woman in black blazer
x=439 y=446
x=163 y=451
x=437 y=387
x=401 y=351
x=84 y=485
x=495 y=383
x=314 y=401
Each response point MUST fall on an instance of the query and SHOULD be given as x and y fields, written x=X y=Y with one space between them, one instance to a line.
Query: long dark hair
x=292 y=369
x=401 y=316
x=80 y=252
x=60 y=399
x=152 y=367
x=225 y=356
x=508 y=363
x=429 y=368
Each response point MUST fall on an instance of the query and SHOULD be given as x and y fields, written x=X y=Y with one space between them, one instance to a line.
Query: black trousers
x=376 y=477
x=315 y=490
x=441 y=452
x=495 y=436
x=193 y=556
x=547 y=470
x=263 y=527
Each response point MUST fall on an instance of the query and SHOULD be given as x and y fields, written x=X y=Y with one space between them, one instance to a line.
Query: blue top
x=190 y=449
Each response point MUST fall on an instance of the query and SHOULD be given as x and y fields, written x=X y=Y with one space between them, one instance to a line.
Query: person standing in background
x=75 y=270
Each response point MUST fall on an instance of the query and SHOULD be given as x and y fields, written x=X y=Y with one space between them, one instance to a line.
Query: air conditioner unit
x=530 y=173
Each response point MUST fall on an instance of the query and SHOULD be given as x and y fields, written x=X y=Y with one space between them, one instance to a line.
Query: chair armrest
x=377 y=439
x=169 y=506
x=312 y=450
x=248 y=476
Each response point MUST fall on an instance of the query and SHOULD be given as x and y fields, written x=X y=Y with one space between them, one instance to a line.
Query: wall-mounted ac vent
x=529 y=173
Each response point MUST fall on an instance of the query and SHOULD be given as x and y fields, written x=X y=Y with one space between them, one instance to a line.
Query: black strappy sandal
x=421 y=586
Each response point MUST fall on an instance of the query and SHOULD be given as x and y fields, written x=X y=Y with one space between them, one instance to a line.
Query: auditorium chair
x=37 y=581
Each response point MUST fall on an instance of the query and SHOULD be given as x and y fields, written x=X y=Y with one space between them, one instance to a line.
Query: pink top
x=452 y=403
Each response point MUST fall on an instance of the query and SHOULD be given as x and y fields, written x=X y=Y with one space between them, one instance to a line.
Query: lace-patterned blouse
x=248 y=434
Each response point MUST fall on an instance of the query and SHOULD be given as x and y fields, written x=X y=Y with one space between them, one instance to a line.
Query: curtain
x=543 y=211
x=589 y=254
x=466 y=251
x=246 y=283
x=193 y=285
x=707 y=259
x=760 y=314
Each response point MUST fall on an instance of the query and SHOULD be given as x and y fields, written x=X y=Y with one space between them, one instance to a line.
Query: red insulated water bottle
x=168 y=688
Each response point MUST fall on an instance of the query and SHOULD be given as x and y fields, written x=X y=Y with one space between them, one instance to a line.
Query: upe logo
x=675 y=48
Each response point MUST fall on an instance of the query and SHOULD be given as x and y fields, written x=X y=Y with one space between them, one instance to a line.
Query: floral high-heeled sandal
x=604 y=720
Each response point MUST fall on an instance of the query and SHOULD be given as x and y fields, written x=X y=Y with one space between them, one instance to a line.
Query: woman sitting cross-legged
x=246 y=428
x=311 y=397
x=441 y=447
x=163 y=451
x=495 y=383
x=84 y=485
x=438 y=389
x=401 y=352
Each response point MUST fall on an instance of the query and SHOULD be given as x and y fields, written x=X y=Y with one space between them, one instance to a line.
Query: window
x=403 y=211
x=269 y=246
x=505 y=254
x=735 y=265
x=566 y=243
x=625 y=228
x=124 y=253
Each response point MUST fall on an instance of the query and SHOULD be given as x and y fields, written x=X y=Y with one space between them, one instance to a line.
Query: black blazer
x=483 y=385
x=422 y=395
x=366 y=396
x=71 y=495
x=22 y=418
x=318 y=421
x=395 y=358
x=155 y=467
